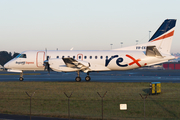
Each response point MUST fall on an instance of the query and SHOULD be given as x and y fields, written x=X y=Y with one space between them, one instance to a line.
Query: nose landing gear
x=21 y=76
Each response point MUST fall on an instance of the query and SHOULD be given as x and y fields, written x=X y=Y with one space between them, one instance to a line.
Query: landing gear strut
x=21 y=76
x=78 y=79
x=87 y=78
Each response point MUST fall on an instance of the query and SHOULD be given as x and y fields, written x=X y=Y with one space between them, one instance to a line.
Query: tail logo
x=164 y=36
x=166 y=30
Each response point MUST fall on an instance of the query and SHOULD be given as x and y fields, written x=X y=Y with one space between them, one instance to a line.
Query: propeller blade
x=46 y=63
x=48 y=68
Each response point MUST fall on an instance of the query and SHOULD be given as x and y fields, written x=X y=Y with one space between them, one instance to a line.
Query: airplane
x=155 y=51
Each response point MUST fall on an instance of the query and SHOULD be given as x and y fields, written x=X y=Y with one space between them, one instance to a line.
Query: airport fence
x=90 y=100
x=102 y=107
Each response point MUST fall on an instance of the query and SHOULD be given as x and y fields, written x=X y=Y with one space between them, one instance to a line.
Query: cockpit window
x=21 y=56
x=18 y=55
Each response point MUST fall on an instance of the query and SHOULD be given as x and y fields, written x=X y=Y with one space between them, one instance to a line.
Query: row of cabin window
x=85 y=57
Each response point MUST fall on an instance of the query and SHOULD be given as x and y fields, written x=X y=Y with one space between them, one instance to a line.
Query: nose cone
x=6 y=65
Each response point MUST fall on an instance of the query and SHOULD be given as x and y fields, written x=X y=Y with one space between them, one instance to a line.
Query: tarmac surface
x=139 y=75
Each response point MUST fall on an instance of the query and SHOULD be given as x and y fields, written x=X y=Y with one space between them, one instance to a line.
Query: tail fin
x=161 y=39
x=164 y=35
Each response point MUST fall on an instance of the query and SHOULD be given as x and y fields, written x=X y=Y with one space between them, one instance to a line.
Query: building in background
x=171 y=65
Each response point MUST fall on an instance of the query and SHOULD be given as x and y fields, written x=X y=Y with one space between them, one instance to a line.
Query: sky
x=83 y=24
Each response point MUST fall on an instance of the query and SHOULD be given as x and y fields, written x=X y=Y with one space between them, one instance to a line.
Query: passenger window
x=57 y=57
x=62 y=56
x=90 y=57
x=106 y=57
x=68 y=56
x=101 y=57
x=79 y=57
x=85 y=57
x=95 y=57
x=74 y=57
x=47 y=58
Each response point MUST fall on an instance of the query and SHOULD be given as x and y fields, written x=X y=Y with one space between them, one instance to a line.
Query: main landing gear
x=78 y=78
x=87 y=78
x=21 y=76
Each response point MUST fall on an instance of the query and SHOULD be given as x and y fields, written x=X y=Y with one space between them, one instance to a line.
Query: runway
x=111 y=76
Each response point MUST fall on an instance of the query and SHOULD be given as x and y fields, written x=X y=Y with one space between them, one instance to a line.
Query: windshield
x=21 y=56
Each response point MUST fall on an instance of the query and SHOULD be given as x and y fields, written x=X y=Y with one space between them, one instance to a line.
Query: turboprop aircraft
x=155 y=51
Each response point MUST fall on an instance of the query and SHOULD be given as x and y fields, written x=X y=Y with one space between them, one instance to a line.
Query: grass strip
x=49 y=100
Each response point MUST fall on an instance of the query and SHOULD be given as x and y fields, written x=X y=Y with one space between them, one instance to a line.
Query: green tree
x=5 y=57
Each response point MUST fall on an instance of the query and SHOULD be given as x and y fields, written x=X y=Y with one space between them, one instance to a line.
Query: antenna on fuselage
x=47 y=57
x=72 y=48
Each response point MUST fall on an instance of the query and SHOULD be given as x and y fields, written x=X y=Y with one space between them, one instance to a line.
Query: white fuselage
x=98 y=60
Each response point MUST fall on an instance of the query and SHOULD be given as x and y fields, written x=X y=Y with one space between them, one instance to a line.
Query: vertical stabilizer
x=164 y=35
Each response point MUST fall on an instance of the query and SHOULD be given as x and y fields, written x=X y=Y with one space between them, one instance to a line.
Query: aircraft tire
x=78 y=79
x=21 y=78
x=87 y=78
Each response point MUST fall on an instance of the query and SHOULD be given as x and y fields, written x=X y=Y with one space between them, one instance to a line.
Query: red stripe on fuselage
x=164 y=36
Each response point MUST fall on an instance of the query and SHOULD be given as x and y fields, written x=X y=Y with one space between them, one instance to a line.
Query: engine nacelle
x=83 y=63
x=57 y=64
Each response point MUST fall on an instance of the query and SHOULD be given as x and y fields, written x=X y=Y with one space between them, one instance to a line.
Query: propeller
x=46 y=63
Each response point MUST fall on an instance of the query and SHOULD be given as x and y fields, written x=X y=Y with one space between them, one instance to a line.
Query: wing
x=81 y=65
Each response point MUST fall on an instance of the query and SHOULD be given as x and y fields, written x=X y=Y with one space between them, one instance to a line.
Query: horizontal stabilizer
x=152 y=51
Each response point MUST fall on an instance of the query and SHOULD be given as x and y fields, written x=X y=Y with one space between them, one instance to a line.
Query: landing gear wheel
x=78 y=79
x=87 y=78
x=21 y=78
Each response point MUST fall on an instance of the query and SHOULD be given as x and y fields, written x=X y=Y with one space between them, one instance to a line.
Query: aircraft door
x=40 y=58
x=80 y=57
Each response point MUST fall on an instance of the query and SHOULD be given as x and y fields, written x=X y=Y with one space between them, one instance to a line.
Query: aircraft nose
x=6 y=65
